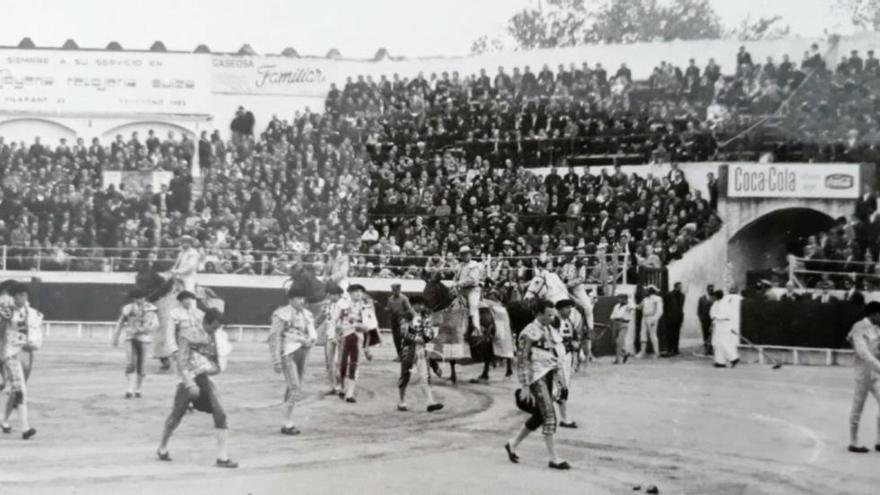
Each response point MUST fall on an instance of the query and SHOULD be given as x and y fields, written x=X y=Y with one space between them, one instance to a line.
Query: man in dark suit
x=713 y=191
x=866 y=205
x=853 y=295
x=704 y=306
x=825 y=297
x=673 y=311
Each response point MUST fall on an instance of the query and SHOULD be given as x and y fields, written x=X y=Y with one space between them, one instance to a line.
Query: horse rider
x=187 y=265
x=468 y=280
x=336 y=269
x=570 y=273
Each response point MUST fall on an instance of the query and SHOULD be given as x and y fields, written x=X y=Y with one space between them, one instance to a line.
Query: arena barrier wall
x=64 y=296
x=806 y=324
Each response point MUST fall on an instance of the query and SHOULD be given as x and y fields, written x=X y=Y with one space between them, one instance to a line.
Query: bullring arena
x=681 y=426
x=685 y=205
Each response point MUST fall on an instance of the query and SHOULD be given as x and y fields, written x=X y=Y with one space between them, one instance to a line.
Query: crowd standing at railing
x=844 y=256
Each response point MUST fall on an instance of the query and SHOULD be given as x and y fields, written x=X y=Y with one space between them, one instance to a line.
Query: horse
x=163 y=293
x=546 y=285
x=493 y=340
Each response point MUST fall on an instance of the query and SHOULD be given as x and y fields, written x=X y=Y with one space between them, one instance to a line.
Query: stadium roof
x=159 y=46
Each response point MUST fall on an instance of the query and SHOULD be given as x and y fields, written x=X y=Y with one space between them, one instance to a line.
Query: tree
x=560 y=23
x=555 y=23
x=484 y=44
x=631 y=21
x=864 y=14
x=764 y=28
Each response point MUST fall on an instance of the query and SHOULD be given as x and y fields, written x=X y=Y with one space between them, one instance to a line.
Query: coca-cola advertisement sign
x=793 y=180
x=261 y=76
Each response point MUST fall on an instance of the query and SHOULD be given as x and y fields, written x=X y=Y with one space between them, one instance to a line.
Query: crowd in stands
x=404 y=171
x=847 y=254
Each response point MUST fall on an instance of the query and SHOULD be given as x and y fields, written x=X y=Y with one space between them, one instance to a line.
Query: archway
x=27 y=128
x=764 y=243
x=142 y=127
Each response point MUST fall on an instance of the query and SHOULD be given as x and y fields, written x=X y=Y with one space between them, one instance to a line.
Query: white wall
x=701 y=265
x=25 y=129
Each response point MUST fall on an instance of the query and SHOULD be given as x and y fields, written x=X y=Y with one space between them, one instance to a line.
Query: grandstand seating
x=403 y=172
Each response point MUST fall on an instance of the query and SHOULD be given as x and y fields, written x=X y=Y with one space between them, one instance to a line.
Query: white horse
x=546 y=285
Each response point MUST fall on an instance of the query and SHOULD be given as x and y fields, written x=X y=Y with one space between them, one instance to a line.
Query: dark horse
x=438 y=297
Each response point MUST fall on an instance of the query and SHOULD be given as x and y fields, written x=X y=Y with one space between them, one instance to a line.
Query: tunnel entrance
x=764 y=243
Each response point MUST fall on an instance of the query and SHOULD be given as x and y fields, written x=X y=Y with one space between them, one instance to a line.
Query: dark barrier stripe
x=799 y=323
x=244 y=305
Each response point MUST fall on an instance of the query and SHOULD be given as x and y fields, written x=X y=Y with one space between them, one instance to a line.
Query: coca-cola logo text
x=839 y=181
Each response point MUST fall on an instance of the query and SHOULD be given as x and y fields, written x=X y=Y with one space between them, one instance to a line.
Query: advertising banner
x=64 y=82
x=137 y=181
x=783 y=180
x=271 y=76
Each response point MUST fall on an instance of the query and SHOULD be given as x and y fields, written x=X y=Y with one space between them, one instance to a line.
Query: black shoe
x=719 y=365
x=350 y=400
x=734 y=363
x=511 y=454
x=6 y=429
x=28 y=434
x=341 y=395
x=625 y=357
x=568 y=424
x=435 y=407
x=129 y=395
x=858 y=450
x=228 y=463
x=559 y=465
x=437 y=369
x=166 y=456
x=402 y=408
x=289 y=431
x=877 y=447
x=137 y=395
x=479 y=380
x=652 y=490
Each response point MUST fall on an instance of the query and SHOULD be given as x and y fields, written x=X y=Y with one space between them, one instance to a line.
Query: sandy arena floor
x=681 y=425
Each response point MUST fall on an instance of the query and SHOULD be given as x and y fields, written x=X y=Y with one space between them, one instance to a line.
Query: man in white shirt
x=623 y=323
x=652 y=311
x=725 y=332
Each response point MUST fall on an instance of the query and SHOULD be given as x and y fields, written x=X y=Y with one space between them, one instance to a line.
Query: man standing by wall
x=725 y=332
x=398 y=307
x=704 y=306
x=674 y=310
x=623 y=322
x=652 y=311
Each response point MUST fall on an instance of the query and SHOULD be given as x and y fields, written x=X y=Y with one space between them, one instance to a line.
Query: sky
x=357 y=28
